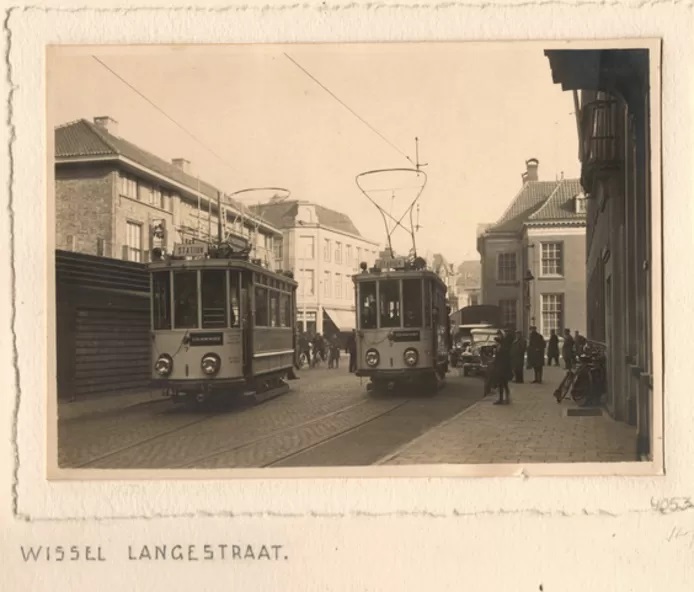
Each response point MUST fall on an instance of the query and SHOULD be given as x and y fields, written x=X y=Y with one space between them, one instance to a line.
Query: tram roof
x=218 y=264
x=398 y=274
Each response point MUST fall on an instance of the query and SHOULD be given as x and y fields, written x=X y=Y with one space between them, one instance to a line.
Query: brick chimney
x=531 y=168
x=182 y=164
x=107 y=124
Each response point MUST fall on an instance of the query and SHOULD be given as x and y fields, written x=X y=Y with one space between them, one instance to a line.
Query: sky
x=311 y=118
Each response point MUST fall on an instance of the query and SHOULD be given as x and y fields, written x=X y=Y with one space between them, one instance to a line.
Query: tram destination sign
x=206 y=339
x=190 y=250
x=390 y=263
x=410 y=335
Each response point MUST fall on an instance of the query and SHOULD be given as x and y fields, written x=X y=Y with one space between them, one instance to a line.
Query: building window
x=277 y=248
x=348 y=288
x=134 y=241
x=552 y=313
x=326 y=250
x=508 y=312
x=348 y=260
x=308 y=247
x=506 y=271
x=338 y=285
x=326 y=283
x=552 y=259
x=310 y=282
x=128 y=186
x=100 y=247
x=358 y=259
x=338 y=253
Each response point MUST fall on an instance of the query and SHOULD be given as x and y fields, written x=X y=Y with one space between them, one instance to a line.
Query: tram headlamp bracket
x=372 y=358
x=411 y=356
x=164 y=365
x=210 y=364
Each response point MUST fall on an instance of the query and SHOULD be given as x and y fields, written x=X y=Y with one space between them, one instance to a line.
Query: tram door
x=246 y=325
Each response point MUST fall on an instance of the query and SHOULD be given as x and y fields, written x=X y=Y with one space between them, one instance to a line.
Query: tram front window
x=367 y=305
x=186 y=299
x=161 y=300
x=390 y=303
x=412 y=302
x=213 y=284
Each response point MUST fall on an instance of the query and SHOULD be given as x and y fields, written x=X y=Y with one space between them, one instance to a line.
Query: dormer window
x=580 y=203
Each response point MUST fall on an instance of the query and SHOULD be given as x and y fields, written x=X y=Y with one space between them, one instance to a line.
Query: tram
x=221 y=324
x=403 y=326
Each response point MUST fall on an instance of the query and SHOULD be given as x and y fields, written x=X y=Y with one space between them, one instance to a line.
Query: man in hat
x=536 y=353
x=518 y=348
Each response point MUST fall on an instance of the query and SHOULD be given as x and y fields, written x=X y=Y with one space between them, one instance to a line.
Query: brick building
x=324 y=249
x=109 y=195
x=533 y=257
x=611 y=94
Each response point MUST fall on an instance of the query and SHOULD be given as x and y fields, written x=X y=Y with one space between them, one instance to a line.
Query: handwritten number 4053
x=672 y=504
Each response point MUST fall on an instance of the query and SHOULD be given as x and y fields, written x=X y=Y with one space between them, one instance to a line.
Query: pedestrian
x=502 y=369
x=579 y=343
x=334 y=353
x=351 y=349
x=567 y=350
x=518 y=348
x=553 y=348
x=304 y=350
x=536 y=354
x=318 y=349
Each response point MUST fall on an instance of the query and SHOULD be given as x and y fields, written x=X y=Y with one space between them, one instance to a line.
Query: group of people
x=514 y=354
x=318 y=348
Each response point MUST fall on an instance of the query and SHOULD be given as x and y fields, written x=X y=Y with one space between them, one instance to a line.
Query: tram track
x=247 y=445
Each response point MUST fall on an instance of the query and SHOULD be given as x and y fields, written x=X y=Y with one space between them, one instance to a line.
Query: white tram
x=403 y=334
x=221 y=324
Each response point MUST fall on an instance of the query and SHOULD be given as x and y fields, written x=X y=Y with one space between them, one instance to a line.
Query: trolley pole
x=219 y=217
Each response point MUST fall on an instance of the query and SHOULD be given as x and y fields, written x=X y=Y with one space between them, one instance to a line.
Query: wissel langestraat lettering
x=206 y=552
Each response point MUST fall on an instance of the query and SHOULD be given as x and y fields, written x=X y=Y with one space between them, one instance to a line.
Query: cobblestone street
x=532 y=429
x=328 y=419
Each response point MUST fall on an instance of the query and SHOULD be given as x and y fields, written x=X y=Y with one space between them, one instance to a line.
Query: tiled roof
x=283 y=213
x=561 y=205
x=527 y=201
x=83 y=138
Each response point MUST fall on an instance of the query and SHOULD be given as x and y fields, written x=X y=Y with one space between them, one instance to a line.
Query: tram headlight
x=372 y=358
x=210 y=364
x=411 y=356
x=164 y=365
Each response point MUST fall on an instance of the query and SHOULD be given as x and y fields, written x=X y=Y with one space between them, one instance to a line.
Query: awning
x=345 y=320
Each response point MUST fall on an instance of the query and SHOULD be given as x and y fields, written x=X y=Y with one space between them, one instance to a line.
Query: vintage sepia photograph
x=352 y=255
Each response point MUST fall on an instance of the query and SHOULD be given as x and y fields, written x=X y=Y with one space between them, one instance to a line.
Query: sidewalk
x=534 y=428
x=105 y=403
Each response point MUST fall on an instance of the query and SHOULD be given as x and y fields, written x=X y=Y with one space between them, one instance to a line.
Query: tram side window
x=284 y=310
x=234 y=298
x=412 y=302
x=214 y=298
x=427 y=303
x=161 y=300
x=261 y=307
x=390 y=303
x=367 y=304
x=186 y=299
x=274 y=308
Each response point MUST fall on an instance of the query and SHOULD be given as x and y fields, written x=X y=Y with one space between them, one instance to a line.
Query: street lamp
x=528 y=304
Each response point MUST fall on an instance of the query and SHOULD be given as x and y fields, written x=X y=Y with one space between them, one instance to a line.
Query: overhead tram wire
x=352 y=111
x=164 y=113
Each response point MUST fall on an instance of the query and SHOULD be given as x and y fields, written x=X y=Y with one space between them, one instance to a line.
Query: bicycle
x=585 y=383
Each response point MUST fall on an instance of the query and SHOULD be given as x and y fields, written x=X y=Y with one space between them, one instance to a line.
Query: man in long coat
x=518 y=348
x=536 y=353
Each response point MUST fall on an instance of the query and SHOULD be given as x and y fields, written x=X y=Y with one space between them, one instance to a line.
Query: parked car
x=481 y=352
